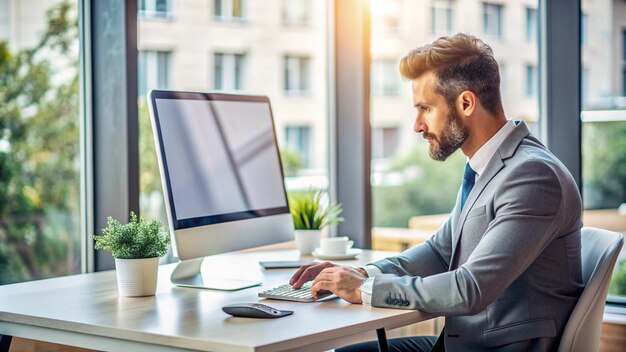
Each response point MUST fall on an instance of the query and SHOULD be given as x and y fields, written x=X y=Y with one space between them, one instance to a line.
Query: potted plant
x=310 y=217
x=136 y=247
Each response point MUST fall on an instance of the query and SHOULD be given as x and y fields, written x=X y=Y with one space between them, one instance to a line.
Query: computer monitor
x=222 y=178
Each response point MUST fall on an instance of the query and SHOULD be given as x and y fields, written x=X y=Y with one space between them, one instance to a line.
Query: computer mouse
x=254 y=310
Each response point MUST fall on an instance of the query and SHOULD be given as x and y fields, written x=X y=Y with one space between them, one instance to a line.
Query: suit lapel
x=505 y=151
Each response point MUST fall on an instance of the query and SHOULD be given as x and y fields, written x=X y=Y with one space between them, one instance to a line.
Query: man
x=505 y=268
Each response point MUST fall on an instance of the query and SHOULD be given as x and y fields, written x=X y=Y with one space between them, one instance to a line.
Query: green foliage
x=429 y=187
x=39 y=147
x=135 y=240
x=618 y=281
x=308 y=212
x=149 y=177
x=604 y=164
x=292 y=161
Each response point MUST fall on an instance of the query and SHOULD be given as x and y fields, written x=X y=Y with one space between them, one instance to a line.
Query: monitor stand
x=187 y=274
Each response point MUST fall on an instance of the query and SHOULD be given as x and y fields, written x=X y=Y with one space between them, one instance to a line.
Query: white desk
x=85 y=311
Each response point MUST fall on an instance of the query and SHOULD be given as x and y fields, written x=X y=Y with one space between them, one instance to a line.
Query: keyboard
x=288 y=293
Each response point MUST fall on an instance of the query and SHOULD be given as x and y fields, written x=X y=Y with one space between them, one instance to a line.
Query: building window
x=532 y=24
x=492 y=20
x=153 y=70
x=386 y=14
x=385 y=78
x=531 y=81
x=229 y=10
x=154 y=8
x=228 y=71
x=298 y=139
x=441 y=17
x=297 y=74
x=385 y=141
x=296 y=12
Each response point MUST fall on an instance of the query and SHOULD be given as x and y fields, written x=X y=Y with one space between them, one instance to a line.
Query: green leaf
x=137 y=239
x=309 y=212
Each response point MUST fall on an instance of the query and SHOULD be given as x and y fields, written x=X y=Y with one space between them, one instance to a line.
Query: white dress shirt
x=478 y=163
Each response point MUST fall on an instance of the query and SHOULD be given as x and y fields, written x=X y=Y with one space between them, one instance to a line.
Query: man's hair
x=460 y=62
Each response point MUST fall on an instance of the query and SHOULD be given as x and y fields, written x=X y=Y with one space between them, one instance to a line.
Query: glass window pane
x=40 y=232
x=492 y=20
x=154 y=8
x=260 y=56
x=411 y=193
x=604 y=124
x=532 y=24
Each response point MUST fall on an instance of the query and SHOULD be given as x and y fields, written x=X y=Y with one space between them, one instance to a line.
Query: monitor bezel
x=189 y=223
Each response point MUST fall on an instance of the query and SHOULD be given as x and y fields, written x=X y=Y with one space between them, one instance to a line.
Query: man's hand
x=307 y=273
x=344 y=281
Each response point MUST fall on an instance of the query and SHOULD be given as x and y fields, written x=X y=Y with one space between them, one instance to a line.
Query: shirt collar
x=481 y=158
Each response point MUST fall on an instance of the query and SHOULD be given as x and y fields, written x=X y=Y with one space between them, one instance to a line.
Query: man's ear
x=466 y=103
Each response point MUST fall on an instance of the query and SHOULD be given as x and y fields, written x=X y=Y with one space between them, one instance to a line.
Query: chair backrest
x=600 y=249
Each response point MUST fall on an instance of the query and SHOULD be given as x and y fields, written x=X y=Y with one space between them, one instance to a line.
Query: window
x=385 y=79
x=40 y=165
x=228 y=71
x=298 y=139
x=250 y=59
x=441 y=17
x=296 y=12
x=386 y=14
x=153 y=70
x=385 y=141
x=531 y=81
x=229 y=9
x=532 y=24
x=154 y=8
x=407 y=185
x=492 y=20
x=297 y=74
x=604 y=126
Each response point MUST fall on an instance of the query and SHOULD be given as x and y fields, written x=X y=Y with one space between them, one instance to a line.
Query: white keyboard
x=288 y=293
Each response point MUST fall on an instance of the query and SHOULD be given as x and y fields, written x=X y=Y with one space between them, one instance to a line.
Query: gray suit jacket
x=505 y=270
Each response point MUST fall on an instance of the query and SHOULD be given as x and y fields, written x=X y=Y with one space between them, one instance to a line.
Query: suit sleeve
x=525 y=206
x=430 y=258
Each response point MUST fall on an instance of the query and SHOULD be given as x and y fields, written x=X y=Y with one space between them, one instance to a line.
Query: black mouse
x=255 y=310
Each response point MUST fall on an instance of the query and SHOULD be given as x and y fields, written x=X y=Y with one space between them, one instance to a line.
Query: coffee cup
x=335 y=245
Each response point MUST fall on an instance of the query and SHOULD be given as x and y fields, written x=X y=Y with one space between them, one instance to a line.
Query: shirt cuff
x=372 y=270
x=366 y=291
x=368 y=285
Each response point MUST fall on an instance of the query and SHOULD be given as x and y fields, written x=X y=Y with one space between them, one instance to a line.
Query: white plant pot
x=137 y=277
x=308 y=240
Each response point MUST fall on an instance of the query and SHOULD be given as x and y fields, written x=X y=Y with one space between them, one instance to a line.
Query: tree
x=39 y=175
x=604 y=164
x=427 y=187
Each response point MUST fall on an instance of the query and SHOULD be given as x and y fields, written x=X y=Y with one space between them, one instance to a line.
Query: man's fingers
x=321 y=286
x=298 y=273
x=307 y=273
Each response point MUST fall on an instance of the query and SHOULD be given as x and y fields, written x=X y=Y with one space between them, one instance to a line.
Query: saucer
x=350 y=254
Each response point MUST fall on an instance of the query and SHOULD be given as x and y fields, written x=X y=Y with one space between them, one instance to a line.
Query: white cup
x=335 y=245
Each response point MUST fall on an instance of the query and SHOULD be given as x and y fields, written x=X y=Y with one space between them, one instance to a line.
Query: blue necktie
x=468 y=183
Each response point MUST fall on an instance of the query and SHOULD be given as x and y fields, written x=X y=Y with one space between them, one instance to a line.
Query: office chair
x=599 y=251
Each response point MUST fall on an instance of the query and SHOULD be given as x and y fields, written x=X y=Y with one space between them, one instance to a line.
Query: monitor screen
x=220 y=157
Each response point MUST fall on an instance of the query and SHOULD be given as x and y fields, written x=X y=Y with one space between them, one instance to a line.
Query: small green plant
x=135 y=240
x=309 y=213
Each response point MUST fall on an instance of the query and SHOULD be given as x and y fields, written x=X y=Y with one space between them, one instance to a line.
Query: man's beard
x=451 y=138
